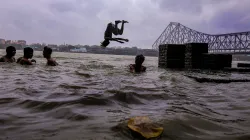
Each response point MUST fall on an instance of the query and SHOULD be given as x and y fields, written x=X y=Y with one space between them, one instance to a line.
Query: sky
x=84 y=21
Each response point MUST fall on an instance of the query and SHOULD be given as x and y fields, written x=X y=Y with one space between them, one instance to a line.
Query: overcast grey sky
x=84 y=21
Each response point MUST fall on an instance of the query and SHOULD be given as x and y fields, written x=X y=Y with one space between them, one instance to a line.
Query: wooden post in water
x=191 y=56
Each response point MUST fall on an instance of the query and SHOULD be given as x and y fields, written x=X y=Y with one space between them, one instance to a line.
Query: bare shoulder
x=131 y=65
x=52 y=62
x=2 y=59
x=19 y=59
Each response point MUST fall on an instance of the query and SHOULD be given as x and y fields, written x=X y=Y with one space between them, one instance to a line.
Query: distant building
x=2 y=41
x=8 y=42
x=78 y=50
x=55 y=49
x=53 y=46
x=34 y=47
x=21 y=42
x=34 y=44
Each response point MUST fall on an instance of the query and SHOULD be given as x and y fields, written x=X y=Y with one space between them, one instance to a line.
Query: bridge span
x=232 y=43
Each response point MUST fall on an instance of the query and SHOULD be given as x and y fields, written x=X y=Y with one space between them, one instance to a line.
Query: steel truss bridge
x=233 y=43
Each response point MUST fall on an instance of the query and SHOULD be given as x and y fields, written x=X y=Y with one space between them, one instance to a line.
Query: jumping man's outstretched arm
x=115 y=39
x=123 y=39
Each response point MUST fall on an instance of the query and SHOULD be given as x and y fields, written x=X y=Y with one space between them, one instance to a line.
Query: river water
x=91 y=97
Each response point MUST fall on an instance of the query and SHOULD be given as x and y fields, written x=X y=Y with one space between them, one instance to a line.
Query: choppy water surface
x=91 y=97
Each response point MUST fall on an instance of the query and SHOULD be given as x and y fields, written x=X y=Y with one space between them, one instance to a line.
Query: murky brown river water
x=91 y=97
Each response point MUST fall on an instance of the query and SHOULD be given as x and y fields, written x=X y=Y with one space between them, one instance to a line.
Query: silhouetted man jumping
x=113 y=29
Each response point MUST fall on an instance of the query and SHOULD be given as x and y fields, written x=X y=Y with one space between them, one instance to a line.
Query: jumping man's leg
x=122 y=27
x=120 y=31
x=120 y=41
x=116 y=29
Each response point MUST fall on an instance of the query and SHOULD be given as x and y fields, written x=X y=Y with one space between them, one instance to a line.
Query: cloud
x=84 y=21
x=233 y=18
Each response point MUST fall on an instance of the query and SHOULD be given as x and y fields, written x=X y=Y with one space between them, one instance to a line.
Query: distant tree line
x=90 y=49
x=17 y=46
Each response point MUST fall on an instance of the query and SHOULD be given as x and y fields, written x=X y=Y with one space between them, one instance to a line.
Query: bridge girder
x=176 y=33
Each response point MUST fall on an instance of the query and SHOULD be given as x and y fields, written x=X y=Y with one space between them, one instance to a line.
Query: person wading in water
x=10 y=53
x=28 y=54
x=47 y=54
x=138 y=67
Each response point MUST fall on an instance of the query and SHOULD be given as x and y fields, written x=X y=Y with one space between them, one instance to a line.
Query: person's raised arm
x=113 y=39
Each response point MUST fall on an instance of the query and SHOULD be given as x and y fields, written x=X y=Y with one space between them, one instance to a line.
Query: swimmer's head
x=10 y=51
x=28 y=52
x=139 y=59
x=105 y=43
x=47 y=52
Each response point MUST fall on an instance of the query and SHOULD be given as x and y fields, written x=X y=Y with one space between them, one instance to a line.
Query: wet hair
x=27 y=51
x=105 y=43
x=47 y=49
x=139 y=59
x=10 y=49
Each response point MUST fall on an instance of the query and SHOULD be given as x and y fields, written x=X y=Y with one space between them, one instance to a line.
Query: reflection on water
x=92 y=96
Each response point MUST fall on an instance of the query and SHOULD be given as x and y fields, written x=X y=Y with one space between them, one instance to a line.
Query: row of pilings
x=192 y=56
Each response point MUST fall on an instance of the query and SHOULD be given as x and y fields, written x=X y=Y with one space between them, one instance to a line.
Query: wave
x=217 y=117
x=86 y=75
x=134 y=88
x=125 y=97
x=49 y=105
x=99 y=66
x=66 y=113
x=7 y=119
x=245 y=137
x=40 y=105
x=120 y=94
x=7 y=100
x=68 y=86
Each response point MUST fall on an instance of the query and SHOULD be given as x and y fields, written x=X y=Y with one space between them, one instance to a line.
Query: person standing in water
x=138 y=67
x=28 y=54
x=47 y=54
x=10 y=53
x=113 y=29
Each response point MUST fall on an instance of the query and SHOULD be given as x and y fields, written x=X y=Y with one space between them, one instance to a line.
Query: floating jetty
x=244 y=65
x=237 y=69
x=216 y=80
